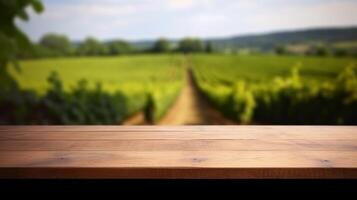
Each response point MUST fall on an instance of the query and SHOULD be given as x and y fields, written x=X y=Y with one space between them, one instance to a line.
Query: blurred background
x=178 y=62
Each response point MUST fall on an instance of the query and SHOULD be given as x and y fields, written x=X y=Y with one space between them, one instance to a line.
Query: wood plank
x=180 y=159
x=112 y=135
x=178 y=152
x=176 y=145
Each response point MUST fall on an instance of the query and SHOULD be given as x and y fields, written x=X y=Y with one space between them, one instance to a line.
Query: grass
x=265 y=89
x=262 y=68
x=162 y=75
x=133 y=73
x=134 y=76
x=114 y=73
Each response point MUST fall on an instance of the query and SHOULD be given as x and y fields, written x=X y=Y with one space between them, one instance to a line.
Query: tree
x=209 y=48
x=12 y=40
x=119 y=47
x=321 y=51
x=92 y=47
x=317 y=51
x=59 y=45
x=161 y=45
x=340 y=52
x=189 y=45
x=280 y=50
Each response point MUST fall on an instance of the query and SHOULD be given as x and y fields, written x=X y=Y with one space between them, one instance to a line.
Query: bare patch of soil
x=191 y=108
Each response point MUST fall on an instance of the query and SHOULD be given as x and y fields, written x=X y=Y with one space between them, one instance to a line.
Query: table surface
x=178 y=152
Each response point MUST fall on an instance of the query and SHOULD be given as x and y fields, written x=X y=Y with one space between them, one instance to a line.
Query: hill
x=269 y=41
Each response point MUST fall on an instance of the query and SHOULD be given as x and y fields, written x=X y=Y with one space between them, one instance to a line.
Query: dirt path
x=191 y=108
x=136 y=119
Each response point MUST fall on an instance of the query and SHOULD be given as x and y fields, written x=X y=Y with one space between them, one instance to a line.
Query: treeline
x=56 y=45
x=320 y=51
x=186 y=45
x=268 y=42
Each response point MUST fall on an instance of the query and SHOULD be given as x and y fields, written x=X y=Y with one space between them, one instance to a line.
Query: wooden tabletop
x=178 y=152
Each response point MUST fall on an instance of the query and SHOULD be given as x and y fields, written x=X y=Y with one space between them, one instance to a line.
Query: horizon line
x=291 y=30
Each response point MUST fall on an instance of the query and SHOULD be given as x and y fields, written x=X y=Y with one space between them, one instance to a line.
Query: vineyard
x=97 y=90
x=280 y=89
x=302 y=76
x=245 y=89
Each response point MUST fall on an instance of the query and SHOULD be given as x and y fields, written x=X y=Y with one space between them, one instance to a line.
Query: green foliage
x=190 y=45
x=14 y=102
x=92 y=47
x=119 y=47
x=162 y=45
x=243 y=102
x=12 y=40
x=163 y=97
x=280 y=50
x=321 y=51
x=268 y=42
x=17 y=105
x=318 y=51
x=209 y=47
x=227 y=69
x=126 y=83
x=57 y=45
x=340 y=52
x=80 y=106
x=330 y=103
x=281 y=99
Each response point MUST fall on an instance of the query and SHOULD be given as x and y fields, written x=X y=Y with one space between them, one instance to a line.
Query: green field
x=133 y=76
x=262 y=68
x=264 y=89
x=280 y=89
x=115 y=73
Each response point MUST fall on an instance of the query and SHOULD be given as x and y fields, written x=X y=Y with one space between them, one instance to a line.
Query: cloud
x=208 y=18
x=59 y=12
x=141 y=19
x=80 y=20
x=180 y=4
x=332 y=13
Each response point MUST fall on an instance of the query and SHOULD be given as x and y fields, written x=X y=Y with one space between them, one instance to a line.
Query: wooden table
x=178 y=152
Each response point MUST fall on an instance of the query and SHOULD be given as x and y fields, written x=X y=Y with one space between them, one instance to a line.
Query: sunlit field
x=279 y=89
x=190 y=63
x=114 y=73
x=262 y=68
x=245 y=88
x=134 y=77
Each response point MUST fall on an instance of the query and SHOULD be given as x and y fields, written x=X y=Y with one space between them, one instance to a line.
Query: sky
x=151 y=19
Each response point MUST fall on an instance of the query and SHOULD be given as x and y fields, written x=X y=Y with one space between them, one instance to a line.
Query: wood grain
x=178 y=152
